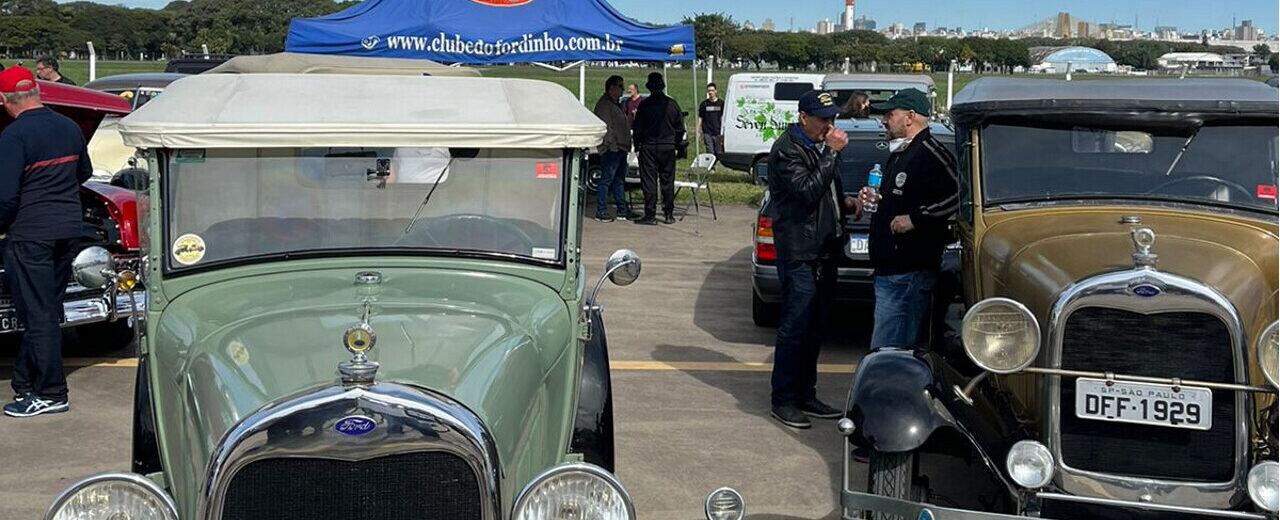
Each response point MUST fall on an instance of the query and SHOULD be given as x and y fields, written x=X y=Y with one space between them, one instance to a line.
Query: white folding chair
x=698 y=179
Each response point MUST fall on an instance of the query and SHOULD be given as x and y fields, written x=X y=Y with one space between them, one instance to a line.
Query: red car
x=111 y=221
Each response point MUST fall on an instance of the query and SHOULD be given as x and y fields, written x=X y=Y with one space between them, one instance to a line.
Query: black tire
x=891 y=475
x=765 y=314
x=592 y=182
x=105 y=336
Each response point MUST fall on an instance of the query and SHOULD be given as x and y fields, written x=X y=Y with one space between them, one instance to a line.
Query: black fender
x=893 y=404
x=146 y=448
x=593 y=421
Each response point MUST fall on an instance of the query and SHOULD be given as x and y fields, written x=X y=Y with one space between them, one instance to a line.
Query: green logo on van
x=764 y=117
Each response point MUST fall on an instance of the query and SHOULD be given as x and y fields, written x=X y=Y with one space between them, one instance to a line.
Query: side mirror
x=94 y=267
x=623 y=267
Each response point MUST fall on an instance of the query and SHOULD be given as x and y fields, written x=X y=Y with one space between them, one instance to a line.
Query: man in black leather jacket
x=659 y=127
x=807 y=205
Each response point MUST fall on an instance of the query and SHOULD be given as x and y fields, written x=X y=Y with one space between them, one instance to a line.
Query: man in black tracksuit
x=807 y=205
x=659 y=127
x=909 y=232
x=43 y=161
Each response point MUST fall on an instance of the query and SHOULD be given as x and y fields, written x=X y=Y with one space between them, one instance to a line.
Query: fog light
x=126 y=281
x=725 y=504
x=1030 y=464
x=1264 y=485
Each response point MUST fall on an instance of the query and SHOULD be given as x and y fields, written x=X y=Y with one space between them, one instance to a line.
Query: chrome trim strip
x=1156 y=380
x=1153 y=507
x=581 y=467
x=132 y=478
x=409 y=420
x=1179 y=294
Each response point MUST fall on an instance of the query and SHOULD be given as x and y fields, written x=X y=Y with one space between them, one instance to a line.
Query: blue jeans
x=902 y=305
x=807 y=291
x=613 y=173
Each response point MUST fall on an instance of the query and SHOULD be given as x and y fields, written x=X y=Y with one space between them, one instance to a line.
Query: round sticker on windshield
x=188 y=249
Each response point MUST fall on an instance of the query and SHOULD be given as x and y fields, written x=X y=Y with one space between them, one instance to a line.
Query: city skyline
x=998 y=15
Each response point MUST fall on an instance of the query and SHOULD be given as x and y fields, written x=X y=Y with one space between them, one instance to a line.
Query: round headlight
x=1001 y=336
x=111 y=496
x=574 y=491
x=1030 y=464
x=1264 y=485
x=725 y=504
x=1269 y=353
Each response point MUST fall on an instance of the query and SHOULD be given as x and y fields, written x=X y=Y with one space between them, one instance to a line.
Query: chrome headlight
x=1264 y=485
x=1030 y=464
x=1269 y=353
x=1000 y=335
x=113 y=495
x=574 y=491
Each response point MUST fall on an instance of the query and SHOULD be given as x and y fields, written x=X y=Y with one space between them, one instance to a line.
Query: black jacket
x=659 y=122
x=805 y=195
x=921 y=181
x=43 y=162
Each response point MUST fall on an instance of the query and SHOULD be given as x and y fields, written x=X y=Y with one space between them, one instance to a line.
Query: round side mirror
x=93 y=267
x=623 y=267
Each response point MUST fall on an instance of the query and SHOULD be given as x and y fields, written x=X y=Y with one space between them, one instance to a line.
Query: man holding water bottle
x=807 y=205
x=909 y=228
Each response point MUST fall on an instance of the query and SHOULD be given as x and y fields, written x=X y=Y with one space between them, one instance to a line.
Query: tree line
x=38 y=27
x=718 y=35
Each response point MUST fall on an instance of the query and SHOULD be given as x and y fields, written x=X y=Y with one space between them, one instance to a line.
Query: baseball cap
x=819 y=104
x=17 y=79
x=906 y=99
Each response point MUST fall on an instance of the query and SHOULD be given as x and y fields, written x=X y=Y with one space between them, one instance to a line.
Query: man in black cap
x=910 y=231
x=659 y=127
x=807 y=205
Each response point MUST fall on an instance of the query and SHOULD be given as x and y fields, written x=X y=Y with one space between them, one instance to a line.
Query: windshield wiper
x=425 y=200
x=1185 y=144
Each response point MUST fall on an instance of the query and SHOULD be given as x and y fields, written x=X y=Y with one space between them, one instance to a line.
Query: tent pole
x=582 y=82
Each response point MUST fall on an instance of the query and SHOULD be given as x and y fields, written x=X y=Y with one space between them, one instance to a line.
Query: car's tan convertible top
x=317 y=110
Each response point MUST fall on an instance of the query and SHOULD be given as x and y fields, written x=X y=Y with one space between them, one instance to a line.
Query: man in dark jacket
x=807 y=205
x=918 y=198
x=43 y=161
x=658 y=129
x=613 y=152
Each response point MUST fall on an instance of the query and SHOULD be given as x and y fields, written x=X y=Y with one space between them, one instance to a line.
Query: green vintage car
x=367 y=300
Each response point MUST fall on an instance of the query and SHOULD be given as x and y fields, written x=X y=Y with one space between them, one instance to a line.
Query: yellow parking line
x=630 y=366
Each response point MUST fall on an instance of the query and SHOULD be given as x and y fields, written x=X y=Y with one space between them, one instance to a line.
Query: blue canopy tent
x=490 y=32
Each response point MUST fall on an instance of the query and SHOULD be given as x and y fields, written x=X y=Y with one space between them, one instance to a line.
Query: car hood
x=493 y=343
x=1033 y=255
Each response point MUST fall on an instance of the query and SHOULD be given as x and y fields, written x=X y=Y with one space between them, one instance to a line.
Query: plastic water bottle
x=873 y=182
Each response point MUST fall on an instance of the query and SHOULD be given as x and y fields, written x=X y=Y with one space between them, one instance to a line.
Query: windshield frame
x=163 y=158
x=1195 y=125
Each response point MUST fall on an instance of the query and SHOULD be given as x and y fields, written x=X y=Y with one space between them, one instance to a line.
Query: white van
x=760 y=106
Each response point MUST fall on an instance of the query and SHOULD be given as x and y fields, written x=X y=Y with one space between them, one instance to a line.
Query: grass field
x=731 y=187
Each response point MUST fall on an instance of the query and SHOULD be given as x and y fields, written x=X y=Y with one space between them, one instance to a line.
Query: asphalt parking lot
x=690 y=374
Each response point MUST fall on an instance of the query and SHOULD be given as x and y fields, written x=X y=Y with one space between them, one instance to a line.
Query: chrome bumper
x=99 y=308
x=855 y=503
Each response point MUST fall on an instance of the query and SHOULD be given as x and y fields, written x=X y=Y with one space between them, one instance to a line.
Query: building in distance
x=767 y=25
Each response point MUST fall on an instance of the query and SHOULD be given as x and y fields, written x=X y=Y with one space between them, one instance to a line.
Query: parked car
x=879 y=87
x=382 y=315
x=868 y=146
x=99 y=313
x=1117 y=356
x=758 y=107
x=112 y=160
x=195 y=63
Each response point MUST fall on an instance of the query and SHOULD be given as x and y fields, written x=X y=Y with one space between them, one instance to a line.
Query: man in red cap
x=43 y=161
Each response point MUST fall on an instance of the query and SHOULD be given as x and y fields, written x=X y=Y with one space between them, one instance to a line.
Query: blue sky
x=1187 y=15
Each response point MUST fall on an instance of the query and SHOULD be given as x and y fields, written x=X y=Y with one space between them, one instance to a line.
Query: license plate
x=859 y=244
x=9 y=321
x=1143 y=403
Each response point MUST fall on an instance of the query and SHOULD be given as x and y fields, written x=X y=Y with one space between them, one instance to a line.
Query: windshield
x=1220 y=165
x=234 y=205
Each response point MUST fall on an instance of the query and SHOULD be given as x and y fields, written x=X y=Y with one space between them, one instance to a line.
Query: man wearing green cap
x=909 y=231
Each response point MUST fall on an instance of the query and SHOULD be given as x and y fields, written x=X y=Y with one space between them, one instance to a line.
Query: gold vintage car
x=1117 y=356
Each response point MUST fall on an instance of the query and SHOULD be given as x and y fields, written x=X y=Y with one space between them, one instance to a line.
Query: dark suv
x=868 y=146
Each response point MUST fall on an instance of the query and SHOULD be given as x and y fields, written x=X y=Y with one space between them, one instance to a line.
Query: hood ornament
x=1143 y=239
x=359 y=339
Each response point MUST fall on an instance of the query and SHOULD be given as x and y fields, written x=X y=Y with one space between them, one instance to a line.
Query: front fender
x=892 y=404
x=593 y=420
